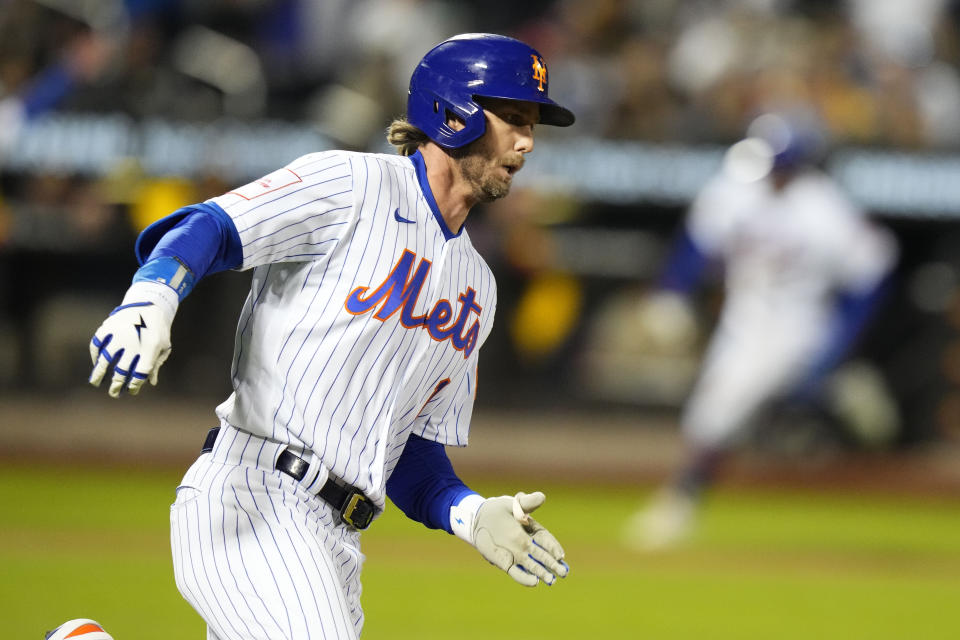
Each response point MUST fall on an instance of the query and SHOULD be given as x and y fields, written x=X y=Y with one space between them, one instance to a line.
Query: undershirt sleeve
x=423 y=484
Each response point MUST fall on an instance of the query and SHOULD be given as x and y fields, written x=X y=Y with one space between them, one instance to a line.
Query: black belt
x=355 y=508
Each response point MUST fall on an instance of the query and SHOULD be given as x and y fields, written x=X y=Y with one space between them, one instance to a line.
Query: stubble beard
x=477 y=170
x=486 y=187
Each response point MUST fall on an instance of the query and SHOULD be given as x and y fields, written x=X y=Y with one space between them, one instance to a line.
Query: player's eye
x=519 y=120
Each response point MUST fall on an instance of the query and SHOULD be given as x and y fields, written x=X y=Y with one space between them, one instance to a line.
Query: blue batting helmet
x=795 y=137
x=454 y=73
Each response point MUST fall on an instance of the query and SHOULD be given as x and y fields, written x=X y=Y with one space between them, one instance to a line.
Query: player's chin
x=495 y=188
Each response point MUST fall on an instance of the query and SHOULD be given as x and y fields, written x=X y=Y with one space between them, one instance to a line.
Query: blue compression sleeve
x=424 y=486
x=685 y=265
x=853 y=312
x=187 y=245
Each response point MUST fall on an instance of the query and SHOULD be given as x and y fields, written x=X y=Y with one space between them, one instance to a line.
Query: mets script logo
x=400 y=291
x=539 y=71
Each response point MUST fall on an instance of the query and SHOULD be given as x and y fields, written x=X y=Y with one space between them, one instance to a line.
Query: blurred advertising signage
x=890 y=183
x=95 y=144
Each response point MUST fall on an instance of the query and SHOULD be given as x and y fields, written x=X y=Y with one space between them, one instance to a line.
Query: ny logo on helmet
x=539 y=71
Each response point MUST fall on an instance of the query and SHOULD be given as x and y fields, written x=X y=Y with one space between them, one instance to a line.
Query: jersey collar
x=421 y=168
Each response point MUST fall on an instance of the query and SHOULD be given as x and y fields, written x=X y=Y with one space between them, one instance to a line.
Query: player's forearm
x=685 y=266
x=423 y=484
x=852 y=315
x=187 y=245
x=854 y=311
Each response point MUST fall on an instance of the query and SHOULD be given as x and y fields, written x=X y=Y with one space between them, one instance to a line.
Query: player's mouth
x=511 y=168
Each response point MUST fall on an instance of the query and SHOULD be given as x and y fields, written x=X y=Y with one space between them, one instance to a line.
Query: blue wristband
x=168 y=271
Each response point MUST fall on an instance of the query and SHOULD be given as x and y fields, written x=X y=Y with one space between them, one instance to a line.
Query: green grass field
x=764 y=565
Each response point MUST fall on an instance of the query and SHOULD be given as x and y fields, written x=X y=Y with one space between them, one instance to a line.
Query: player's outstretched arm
x=134 y=340
x=176 y=251
x=502 y=530
x=424 y=486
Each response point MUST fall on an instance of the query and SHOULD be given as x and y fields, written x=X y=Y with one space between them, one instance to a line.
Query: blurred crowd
x=882 y=73
x=686 y=71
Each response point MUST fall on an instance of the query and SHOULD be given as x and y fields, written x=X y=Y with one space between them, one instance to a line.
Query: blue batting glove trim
x=549 y=573
x=132 y=304
x=133 y=368
x=537 y=561
x=113 y=359
x=104 y=353
x=128 y=374
x=168 y=271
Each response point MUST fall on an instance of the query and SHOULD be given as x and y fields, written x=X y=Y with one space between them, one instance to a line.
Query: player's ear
x=455 y=122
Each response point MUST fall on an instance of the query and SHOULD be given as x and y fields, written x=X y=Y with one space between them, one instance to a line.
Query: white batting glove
x=135 y=338
x=502 y=530
x=666 y=323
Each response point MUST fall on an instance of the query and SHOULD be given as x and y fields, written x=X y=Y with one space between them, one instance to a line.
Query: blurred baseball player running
x=356 y=352
x=803 y=270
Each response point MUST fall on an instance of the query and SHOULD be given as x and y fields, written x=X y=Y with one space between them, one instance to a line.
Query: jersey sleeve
x=863 y=253
x=869 y=257
x=295 y=214
x=712 y=215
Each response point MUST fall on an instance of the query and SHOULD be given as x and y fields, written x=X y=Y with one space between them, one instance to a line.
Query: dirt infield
x=612 y=448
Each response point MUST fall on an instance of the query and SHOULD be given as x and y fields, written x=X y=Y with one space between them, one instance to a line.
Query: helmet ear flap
x=434 y=116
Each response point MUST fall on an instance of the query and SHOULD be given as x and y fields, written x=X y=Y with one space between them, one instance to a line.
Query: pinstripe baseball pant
x=257 y=554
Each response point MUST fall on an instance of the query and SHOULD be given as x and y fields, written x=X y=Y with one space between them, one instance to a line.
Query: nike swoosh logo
x=400 y=218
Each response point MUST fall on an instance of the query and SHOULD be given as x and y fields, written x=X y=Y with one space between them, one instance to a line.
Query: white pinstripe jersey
x=365 y=314
x=788 y=251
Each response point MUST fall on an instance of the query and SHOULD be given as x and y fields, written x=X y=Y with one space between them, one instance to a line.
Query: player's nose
x=524 y=141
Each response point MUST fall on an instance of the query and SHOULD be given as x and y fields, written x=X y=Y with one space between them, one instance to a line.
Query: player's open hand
x=134 y=340
x=506 y=535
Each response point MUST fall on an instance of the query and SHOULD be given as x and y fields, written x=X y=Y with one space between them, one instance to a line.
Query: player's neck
x=454 y=196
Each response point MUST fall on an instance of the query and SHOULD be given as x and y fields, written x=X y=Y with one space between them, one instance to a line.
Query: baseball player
x=356 y=352
x=803 y=269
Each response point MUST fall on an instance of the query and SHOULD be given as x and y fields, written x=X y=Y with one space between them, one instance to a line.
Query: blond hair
x=405 y=137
